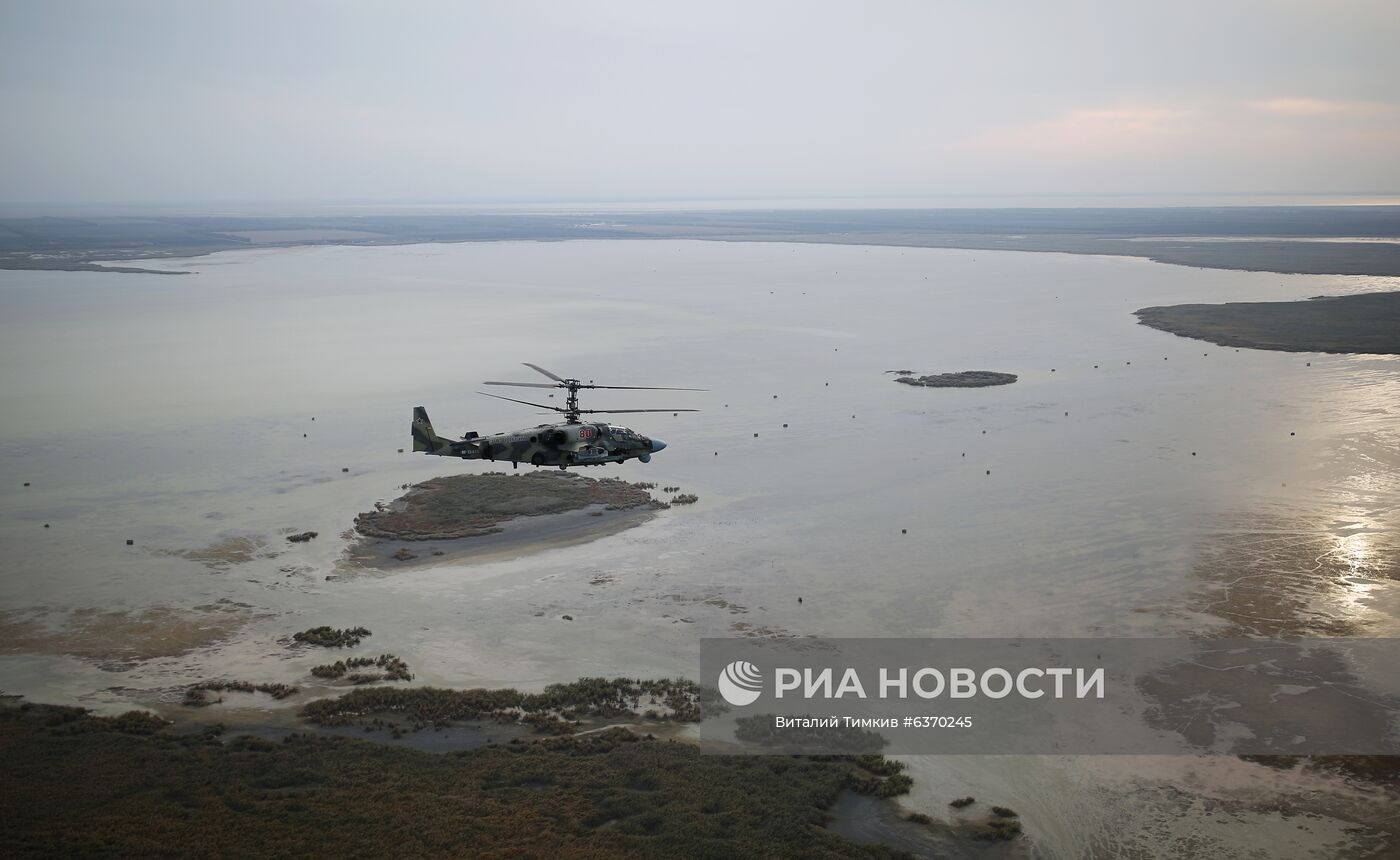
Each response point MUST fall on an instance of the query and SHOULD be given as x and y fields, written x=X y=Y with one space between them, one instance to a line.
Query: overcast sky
x=115 y=100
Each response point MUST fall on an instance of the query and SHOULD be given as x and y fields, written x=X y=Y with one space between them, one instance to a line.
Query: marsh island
x=1367 y=323
x=498 y=512
x=961 y=379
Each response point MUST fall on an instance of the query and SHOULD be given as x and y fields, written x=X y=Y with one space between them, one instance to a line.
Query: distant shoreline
x=1319 y=240
x=93 y=266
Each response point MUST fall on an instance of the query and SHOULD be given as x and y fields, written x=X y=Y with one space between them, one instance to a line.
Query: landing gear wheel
x=536 y=460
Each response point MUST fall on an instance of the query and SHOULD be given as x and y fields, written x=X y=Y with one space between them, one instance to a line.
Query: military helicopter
x=572 y=443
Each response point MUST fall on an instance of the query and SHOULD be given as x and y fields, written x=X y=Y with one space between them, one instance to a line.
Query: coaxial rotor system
x=571 y=411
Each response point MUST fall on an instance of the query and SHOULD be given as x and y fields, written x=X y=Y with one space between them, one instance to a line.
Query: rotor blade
x=526 y=402
x=552 y=376
x=523 y=384
x=620 y=411
x=645 y=387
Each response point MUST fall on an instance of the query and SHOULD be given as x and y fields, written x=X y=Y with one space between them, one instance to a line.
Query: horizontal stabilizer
x=424 y=438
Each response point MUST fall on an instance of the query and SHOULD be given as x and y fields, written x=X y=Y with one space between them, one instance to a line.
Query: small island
x=961 y=379
x=497 y=513
x=1366 y=323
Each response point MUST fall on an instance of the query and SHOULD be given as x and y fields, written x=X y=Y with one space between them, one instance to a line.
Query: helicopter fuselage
x=562 y=445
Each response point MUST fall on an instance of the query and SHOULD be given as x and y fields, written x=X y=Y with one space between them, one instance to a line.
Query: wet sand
x=112 y=637
x=508 y=539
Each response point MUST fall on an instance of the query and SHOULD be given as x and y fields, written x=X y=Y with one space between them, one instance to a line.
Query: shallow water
x=170 y=410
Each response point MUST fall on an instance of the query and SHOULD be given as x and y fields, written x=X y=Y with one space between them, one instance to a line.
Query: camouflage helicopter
x=572 y=443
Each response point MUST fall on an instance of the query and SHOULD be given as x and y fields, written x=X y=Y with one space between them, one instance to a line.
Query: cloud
x=1090 y=130
x=1203 y=143
x=1308 y=107
x=1136 y=119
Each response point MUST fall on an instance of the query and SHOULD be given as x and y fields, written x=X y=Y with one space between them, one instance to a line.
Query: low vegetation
x=78 y=785
x=332 y=637
x=759 y=730
x=996 y=830
x=68 y=720
x=394 y=669
x=196 y=695
x=422 y=707
x=877 y=775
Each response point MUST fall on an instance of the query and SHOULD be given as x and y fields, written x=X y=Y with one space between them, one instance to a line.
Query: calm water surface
x=1092 y=497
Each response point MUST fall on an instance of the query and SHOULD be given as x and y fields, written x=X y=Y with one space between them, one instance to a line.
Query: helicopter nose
x=657 y=445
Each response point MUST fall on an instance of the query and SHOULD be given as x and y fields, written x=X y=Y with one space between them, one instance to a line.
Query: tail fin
x=424 y=439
